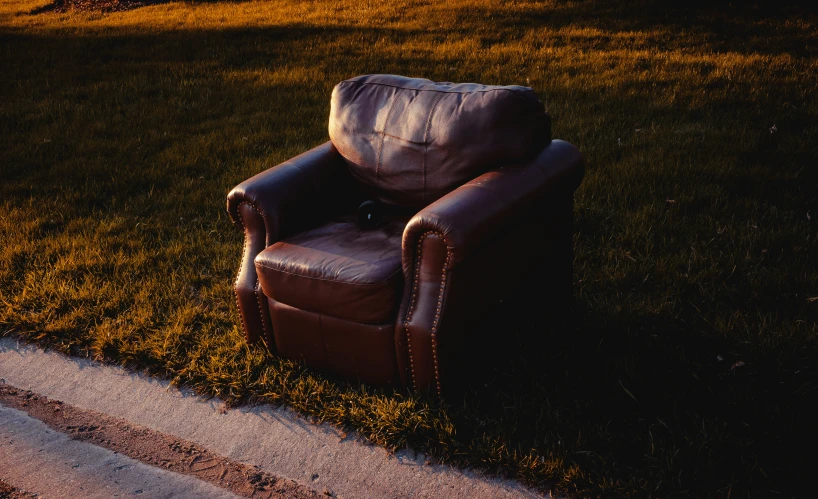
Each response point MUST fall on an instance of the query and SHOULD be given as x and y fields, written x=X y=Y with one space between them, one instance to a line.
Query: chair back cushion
x=409 y=141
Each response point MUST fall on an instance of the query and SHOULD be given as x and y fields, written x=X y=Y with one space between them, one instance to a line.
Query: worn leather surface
x=475 y=210
x=457 y=228
x=411 y=140
x=285 y=199
x=475 y=292
x=359 y=351
x=338 y=269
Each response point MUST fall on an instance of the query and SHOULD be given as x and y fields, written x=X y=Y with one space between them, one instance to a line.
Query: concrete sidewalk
x=51 y=464
x=276 y=440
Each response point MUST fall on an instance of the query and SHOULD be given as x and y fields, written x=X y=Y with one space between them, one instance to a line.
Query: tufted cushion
x=411 y=140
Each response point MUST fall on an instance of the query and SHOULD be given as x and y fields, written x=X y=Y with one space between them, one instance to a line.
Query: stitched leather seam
x=383 y=136
x=514 y=90
x=403 y=139
x=437 y=319
x=412 y=301
x=426 y=143
x=236 y=290
x=251 y=205
x=241 y=268
x=267 y=334
x=383 y=325
x=411 y=307
x=331 y=280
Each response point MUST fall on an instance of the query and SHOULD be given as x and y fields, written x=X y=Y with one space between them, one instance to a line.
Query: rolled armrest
x=460 y=224
x=471 y=214
x=291 y=194
x=276 y=202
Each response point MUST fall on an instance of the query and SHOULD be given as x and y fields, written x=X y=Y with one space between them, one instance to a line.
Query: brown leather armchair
x=478 y=206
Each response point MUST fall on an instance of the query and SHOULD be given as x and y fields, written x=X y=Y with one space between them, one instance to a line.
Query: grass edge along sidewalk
x=264 y=438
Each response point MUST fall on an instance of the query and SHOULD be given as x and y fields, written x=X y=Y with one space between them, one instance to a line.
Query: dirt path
x=9 y=492
x=151 y=447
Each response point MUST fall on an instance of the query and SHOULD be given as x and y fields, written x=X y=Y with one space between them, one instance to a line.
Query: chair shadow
x=635 y=389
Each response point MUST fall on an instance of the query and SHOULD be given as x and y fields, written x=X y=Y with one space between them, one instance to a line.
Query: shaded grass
x=121 y=134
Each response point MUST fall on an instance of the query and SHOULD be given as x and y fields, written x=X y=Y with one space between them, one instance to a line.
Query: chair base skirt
x=341 y=347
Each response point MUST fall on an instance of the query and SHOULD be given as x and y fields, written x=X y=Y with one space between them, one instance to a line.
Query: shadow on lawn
x=650 y=396
x=644 y=397
x=723 y=26
x=106 y=6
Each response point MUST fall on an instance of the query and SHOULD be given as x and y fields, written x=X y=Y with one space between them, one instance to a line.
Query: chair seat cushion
x=339 y=270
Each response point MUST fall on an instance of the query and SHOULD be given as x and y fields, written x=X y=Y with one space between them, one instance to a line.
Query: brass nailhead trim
x=437 y=319
x=412 y=302
x=241 y=267
x=267 y=335
x=411 y=307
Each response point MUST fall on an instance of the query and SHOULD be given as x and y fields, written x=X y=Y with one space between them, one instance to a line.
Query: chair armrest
x=448 y=231
x=470 y=215
x=292 y=194
x=276 y=202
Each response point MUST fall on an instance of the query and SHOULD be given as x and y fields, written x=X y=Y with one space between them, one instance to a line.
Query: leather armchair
x=393 y=305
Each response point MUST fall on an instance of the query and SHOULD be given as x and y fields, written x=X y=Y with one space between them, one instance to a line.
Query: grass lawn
x=688 y=365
